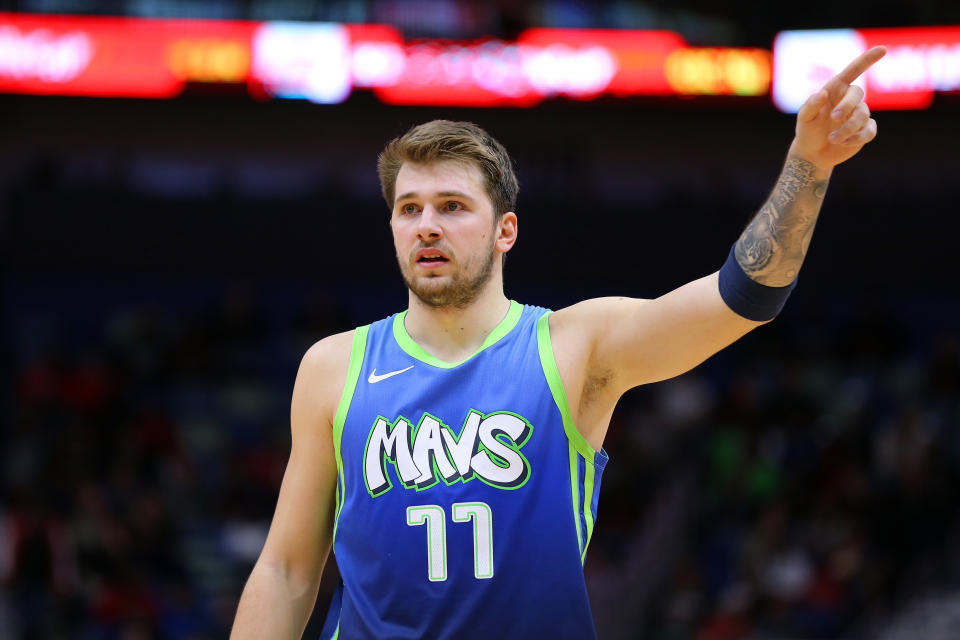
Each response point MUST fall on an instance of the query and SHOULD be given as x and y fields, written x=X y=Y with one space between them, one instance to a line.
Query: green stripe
x=413 y=349
x=336 y=633
x=578 y=444
x=574 y=489
x=587 y=510
x=555 y=383
x=353 y=374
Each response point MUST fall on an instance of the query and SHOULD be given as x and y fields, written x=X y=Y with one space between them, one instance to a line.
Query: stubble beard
x=461 y=290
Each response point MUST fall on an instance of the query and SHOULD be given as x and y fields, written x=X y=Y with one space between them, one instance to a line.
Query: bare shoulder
x=592 y=380
x=577 y=331
x=587 y=319
x=329 y=354
x=322 y=375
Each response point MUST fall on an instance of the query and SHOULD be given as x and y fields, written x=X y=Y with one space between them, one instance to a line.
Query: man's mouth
x=431 y=258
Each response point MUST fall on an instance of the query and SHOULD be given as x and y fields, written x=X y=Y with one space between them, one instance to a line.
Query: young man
x=452 y=453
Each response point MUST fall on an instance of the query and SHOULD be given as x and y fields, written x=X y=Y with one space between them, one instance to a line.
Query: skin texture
x=443 y=205
x=774 y=244
x=832 y=126
x=419 y=212
x=603 y=346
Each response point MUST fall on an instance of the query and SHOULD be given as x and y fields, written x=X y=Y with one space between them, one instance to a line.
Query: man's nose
x=429 y=227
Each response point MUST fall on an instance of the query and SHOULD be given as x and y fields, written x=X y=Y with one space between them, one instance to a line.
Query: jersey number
x=435 y=519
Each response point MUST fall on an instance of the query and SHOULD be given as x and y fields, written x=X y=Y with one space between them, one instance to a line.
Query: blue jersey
x=466 y=497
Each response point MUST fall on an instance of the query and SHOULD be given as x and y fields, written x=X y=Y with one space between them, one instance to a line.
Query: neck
x=453 y=334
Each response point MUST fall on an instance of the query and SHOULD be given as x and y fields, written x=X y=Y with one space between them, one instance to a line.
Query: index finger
x=856 y=68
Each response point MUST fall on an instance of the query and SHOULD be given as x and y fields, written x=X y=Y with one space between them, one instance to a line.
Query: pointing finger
x=856 y=68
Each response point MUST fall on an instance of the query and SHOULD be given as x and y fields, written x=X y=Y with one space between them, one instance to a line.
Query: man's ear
x=506 y=232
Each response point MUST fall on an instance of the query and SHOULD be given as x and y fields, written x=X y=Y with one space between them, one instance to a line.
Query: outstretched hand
x=834 y=123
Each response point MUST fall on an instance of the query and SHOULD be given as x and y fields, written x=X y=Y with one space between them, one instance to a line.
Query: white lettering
x=495 y=459
x=395 y=446
x=483 y=462
x=919 y=68
x=462 y=450
x=559 y=68
x=429 y=444
x=41 y=55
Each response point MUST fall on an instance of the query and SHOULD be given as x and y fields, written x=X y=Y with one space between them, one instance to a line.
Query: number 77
x=435 y=518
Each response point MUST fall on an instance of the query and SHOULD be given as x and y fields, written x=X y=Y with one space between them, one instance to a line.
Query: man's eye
x=409 y=208
x=454 y=206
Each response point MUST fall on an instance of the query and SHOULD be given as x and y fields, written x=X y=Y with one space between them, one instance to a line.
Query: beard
x=459 y=290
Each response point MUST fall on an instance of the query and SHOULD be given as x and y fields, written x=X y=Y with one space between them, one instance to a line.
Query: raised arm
x=282 y=589
x=606 y=346
x=832 y=126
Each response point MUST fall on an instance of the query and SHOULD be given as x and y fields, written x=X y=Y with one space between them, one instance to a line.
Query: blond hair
x=449 y=140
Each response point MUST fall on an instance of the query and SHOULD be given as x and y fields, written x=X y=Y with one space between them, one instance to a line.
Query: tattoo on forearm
x=772 y=247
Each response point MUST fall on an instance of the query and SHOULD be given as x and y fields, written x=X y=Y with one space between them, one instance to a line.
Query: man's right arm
x=282 y=589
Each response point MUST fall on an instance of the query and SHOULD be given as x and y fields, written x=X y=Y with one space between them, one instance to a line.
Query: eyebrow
x=440 y=194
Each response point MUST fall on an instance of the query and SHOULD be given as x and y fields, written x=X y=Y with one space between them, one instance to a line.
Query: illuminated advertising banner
x=920 y=61
x=63 y=55
x=581 y=64
x=584 y=63
x=377 y=55
x=483 y=73
x=325 y=62
x=719 y=71
x=302 y=60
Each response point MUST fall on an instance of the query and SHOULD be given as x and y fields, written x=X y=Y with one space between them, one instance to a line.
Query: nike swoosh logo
x=374 y=378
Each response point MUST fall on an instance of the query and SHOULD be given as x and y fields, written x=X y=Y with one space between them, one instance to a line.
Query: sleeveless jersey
x=466 y=497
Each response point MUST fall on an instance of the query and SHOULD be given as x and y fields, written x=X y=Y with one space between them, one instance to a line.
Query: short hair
x=449 y=140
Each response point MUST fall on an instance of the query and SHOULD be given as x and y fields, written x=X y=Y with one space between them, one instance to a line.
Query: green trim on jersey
x=349 y=386
x=578 y=444
x=575 y=493
x=590 y=473
x=413 y=349
x=555 y=383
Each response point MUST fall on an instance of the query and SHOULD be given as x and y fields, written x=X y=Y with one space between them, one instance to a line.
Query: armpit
x=594 y=385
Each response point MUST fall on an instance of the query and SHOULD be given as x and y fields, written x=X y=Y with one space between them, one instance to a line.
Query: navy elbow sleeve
x=750 y=299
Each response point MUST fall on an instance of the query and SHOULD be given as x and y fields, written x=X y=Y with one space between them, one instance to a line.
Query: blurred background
x=189 y=200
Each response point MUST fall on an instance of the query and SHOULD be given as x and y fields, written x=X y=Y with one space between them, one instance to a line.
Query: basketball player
x=452 y=453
